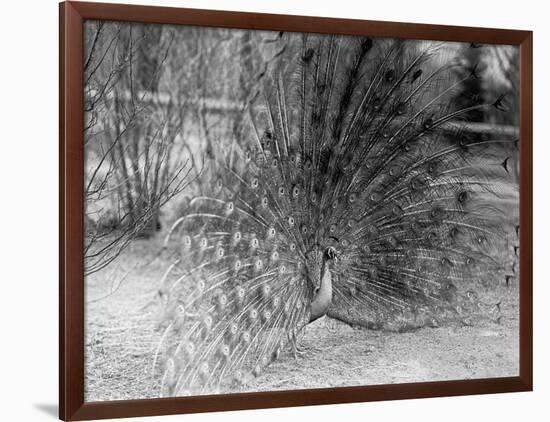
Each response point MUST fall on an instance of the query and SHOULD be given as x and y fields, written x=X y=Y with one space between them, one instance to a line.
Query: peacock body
x=357 y=196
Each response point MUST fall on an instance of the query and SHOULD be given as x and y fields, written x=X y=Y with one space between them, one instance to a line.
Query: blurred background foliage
x=162 y=101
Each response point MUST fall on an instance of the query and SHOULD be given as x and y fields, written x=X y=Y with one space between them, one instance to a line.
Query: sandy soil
x=121 y=341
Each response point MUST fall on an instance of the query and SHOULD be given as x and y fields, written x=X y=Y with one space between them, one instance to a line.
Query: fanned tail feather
x=349 y=148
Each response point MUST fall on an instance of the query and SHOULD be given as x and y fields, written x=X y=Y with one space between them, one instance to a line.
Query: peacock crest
x=356 y=195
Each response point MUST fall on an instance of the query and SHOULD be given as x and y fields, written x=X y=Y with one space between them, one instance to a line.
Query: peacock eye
x=330 y=253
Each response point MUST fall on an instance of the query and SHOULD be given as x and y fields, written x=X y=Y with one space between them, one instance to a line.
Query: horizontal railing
x=217 y=105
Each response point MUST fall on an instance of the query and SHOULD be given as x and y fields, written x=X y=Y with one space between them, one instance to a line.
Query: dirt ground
x=121 y=342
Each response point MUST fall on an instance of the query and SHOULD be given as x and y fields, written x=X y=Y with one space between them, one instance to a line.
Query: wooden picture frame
x=71 y=167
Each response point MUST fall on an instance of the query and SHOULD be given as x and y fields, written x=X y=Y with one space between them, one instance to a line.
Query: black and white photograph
x=269 y=211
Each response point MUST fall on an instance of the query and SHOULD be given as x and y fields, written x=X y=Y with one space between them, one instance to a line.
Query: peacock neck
x=323 y=297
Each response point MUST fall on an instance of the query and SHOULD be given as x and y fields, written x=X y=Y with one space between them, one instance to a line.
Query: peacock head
x=318 y=262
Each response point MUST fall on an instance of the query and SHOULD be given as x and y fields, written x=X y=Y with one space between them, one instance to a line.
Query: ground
x=121 y=341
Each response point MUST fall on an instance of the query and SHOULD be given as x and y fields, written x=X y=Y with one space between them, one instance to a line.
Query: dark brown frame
x=71 y=176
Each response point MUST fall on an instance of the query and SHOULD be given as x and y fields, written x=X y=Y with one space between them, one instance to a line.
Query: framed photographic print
x=267 y=210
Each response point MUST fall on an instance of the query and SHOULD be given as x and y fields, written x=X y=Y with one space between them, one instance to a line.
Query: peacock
x=358 y=195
